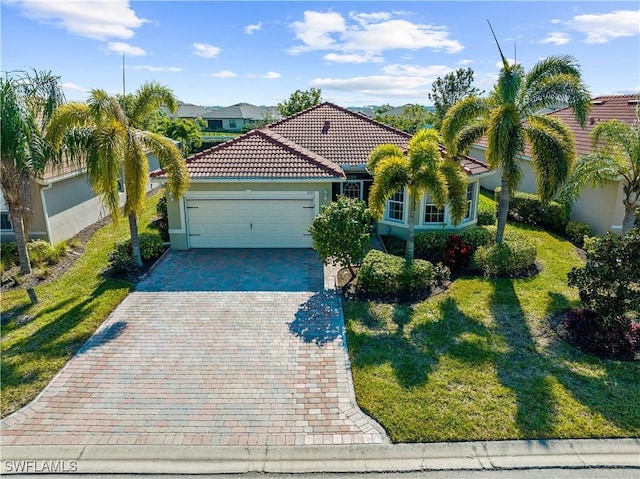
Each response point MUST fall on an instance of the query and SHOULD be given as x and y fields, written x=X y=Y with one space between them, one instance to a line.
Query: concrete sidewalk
x=485 y=455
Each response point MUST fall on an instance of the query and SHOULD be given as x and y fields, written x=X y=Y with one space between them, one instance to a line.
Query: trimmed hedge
x=528 y=208
x=577 y=231
x=121 y=258
x=431 y=245
x=486 y=215
x=516 y=255
x=386 y=274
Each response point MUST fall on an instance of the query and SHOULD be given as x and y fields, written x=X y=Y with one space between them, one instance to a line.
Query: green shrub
x=528 y=208
x=40 y=252
x=486 y=215
x=608 y=283
x=441 y=273
x=9 y=254
x=161 y=208
x=430 y=245
x=151 y=245
x=386 y=274
x=394 y=246
x=476 y=237
x=513 y=257
x=577 y=231
x=121 y=259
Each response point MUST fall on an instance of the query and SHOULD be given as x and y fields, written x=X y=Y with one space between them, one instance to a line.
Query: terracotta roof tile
x=259 y=154
x=603 y=108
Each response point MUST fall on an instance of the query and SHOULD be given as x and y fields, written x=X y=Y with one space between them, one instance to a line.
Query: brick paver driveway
x=215 y=347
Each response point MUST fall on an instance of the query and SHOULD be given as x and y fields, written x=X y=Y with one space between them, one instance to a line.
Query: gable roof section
x=259 y=154
x=186 y=110
x=338 y=134
x=238 y=111
x=603 y=108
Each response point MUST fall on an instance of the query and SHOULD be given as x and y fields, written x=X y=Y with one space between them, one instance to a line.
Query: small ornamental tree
x=609 y=284
x=342 y=232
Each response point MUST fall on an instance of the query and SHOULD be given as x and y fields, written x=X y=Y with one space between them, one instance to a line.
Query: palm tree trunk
x=135 y=241
x=503 y=208
x=629 y=217
x=410 y=252
x=21 y=240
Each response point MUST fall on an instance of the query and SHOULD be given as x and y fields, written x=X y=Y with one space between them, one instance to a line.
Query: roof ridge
x=355 y=114
x=292 y=146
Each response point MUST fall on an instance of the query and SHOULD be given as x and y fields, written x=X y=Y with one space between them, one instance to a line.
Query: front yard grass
x=39 y=340
x=481 y=362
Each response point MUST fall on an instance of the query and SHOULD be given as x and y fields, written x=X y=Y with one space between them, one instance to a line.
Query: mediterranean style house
x=264 y=188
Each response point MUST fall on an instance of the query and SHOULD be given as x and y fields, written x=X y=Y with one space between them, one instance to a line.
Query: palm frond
x=469 y=135
x=148 y=98
x=433 y=181
x=553 y=152
x=457 y=190
x=382 y=152
x=391 y=175
x=105 y=107
x=68 y=116
x=171 y=160
x=424 y=151
x=104 y=164
x=594 y=170
x=136 y=173
x=460 y=116
x=505 y=143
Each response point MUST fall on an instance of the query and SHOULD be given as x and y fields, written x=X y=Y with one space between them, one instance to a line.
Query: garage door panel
x=250 y=223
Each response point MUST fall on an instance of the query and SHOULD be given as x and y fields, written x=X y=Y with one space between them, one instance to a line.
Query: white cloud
x=602 y=28
x=73 y=87
x=249 y=29
x=271 y=75
x=150 y=68
x=367 y=35
x=556 y=38
x=378 y=85
x=224 y=74
x=510 y=61
x=120 y=47
x=465 y=61
x=205 y=50
x=430 y=73
x=98 y=19
x=316 y=29
x=353 y=58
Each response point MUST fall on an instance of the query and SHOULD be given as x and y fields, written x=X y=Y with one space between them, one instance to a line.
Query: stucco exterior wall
x=177 y=214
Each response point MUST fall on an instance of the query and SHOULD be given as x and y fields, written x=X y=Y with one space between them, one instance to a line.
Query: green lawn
x=70 y=309
x=480 y=362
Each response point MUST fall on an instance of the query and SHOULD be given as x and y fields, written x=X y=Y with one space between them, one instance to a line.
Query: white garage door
x=250 y=223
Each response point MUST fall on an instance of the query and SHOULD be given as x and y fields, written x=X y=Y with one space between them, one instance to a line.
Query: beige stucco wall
x=177 y=214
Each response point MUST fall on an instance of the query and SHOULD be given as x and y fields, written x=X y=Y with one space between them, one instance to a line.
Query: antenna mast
x=123 y=84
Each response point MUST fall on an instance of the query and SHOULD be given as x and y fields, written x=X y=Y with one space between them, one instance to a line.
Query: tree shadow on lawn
x=56 y=340
x=413 y=353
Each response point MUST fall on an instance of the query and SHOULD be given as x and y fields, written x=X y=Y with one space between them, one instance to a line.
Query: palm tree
x=508 y=118
x=105 y=133
x=616 y=156
x=422 y=169
x=27 y=102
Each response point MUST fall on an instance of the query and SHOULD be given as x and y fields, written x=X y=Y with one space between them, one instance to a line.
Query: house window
x=471 y=190
x=395 y=207
x=232 y=123
x=352 y=189
x=5 y=221
x=432 y=214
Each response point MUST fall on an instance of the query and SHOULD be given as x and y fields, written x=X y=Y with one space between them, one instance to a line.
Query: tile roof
x=259 y=154
x=313 y=143
x=603 y=108
x=239 y=110
x=186 y=110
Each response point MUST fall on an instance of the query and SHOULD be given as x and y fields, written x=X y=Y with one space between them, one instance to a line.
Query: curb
x=484 y=455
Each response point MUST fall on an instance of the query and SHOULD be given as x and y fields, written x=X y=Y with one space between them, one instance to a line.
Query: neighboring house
x=63 y=204
x=186 y=111
x=264 y=188
x=233 y=118
x=600 y=208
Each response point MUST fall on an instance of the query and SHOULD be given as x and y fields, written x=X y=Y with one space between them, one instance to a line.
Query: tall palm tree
x=422 y=169
x=27 y=101
x=508 y=118
x=105 y=133
x=616 y=156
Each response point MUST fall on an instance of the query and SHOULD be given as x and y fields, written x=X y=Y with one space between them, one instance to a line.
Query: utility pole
x=123 y=84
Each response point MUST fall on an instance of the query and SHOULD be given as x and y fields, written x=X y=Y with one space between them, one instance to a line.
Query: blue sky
x=358 y=53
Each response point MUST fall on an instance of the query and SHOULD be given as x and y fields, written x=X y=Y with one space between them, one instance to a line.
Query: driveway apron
x=215 y=347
